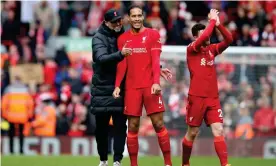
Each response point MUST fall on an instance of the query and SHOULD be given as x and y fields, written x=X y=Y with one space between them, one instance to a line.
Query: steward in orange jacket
x=17 y=109
x=44 y=123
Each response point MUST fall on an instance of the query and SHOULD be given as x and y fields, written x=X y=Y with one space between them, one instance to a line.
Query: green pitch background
x=143 y=161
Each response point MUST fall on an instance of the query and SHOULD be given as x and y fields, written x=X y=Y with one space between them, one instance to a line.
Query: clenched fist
x=116 y=92
x=126 y=51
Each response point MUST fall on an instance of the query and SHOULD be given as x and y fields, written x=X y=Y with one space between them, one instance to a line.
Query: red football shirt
x=201 y=64
x=142 y=67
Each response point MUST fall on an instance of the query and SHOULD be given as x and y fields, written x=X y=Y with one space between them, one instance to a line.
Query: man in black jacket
x=106 y=56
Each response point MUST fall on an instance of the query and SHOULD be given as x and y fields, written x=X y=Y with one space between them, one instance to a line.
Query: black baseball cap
x=112 y=15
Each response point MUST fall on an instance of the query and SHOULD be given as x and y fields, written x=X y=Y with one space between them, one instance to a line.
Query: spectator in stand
x=174 y=101
x=62 y=75
x=63 y=121
x=11 y=28
x=75 y=81
x=245 y=39
x=77 y=113
x=65 y=14
x=264 y=119
x=268 y=36
x=50 y=71
x=14 y=56
x=244 y=128
x=25 y=50
x=47 y=17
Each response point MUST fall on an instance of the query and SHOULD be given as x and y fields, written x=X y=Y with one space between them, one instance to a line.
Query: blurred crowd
x=247 y=92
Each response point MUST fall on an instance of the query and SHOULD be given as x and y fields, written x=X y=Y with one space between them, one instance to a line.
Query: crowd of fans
x=247 y=92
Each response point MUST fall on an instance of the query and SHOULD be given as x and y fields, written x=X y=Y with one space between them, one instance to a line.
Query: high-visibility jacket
x=45 y=122
x=17 y=104
x=244 y=131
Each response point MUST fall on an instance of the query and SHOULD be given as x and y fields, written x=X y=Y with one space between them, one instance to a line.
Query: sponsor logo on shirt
x=204 y=62
x=139 y=50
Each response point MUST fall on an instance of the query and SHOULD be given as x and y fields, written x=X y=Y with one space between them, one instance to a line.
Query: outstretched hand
x=166 y=74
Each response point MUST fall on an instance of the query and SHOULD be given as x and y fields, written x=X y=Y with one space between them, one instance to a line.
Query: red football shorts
x=136 y=98
x=200 y=108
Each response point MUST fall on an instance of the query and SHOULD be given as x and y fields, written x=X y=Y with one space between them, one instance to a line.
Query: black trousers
x=21 y=137
x=119 y=135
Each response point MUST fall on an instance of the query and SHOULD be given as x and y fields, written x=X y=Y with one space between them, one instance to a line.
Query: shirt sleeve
x=228 y=39
x=204 y=36
x=156 y=50
x=121 y=66
x=120 y=43
x=120 y=74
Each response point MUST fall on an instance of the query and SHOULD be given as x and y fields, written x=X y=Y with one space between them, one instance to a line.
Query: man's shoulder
x=98 y=36
x=190 y=48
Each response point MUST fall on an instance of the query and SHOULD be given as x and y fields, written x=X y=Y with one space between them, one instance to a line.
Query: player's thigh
x=214 y=112
x=133 y=102
x=153 y=103
x=195 y=110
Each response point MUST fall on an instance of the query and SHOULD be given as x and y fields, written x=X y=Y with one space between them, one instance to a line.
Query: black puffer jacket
x=105 y=57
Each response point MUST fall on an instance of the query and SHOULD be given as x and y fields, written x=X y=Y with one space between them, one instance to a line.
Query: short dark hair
x=132 y=7
x=196 y=28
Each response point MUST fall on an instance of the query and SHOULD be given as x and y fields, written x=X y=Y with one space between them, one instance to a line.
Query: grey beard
x=117 y=29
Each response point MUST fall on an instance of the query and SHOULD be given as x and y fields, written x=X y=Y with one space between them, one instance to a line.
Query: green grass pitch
x=143 y=161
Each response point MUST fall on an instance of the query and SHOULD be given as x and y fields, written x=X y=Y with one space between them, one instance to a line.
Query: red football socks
x=187 y=147
x=164 y=143
x=221 y=150
x=132 y=146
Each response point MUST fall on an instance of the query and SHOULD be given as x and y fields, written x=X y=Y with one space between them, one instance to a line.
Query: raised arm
x=228 y=39
x=204 y=36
